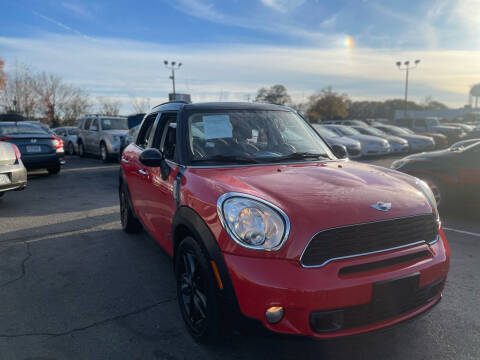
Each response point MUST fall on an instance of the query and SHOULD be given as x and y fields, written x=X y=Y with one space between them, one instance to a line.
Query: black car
x=39 y=148
x=452 y=174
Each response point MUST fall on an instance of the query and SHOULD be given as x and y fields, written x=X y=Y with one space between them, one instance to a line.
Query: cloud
x=78 y=9
x=208 y=11
x=282 y=6
x=125 y=69
x=59 y=24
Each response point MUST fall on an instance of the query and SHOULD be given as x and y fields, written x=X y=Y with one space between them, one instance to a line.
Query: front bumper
x=422 y=146
x=370 y=150
x=262 y=283
x=399 y=147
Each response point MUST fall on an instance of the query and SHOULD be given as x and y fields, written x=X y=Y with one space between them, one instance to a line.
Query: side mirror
x=155 y=158
x=340 y=151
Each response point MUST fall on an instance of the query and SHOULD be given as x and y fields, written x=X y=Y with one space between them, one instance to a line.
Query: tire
x=200 y=311
x=70 y=149
x=104 y=153
x=130 y=223
x=54 y=170
x=81 y=149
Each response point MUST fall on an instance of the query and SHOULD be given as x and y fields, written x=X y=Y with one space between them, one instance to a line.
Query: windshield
x=324 y=132
x=433 y=122
x=7 y=129
x=253 y=136
x=114 y=124
x=346 y=130
x=72 y=131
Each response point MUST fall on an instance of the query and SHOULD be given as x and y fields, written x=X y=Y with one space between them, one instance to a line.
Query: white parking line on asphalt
x=462 y=231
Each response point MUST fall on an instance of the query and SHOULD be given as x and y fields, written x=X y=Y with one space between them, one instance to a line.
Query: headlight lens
x=252 y=222
x=428 y=194
x=114 y=138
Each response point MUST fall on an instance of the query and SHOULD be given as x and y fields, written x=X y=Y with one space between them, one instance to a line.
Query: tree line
x=328 y=104
x=47 y=97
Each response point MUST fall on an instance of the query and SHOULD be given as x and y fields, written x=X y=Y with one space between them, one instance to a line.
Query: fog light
x=274 y=314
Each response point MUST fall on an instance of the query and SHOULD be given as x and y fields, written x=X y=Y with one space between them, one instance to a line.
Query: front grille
x=361 y=239
x=373 y=312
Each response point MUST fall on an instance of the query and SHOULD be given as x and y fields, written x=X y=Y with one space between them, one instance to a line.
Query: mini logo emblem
x=33 y=141
x=382 y=206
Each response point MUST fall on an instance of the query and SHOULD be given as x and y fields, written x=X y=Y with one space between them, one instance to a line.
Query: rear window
x=114 y=124
x=20 y=129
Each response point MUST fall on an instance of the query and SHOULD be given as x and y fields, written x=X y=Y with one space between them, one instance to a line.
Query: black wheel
x=197 y=292
x=81 y=149
x=70 y=149
x=54 y=170
x=104 y=153
x=130 y=224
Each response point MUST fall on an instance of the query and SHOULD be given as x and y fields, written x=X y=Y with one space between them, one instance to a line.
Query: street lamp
x=406 y=67
x=172 y=66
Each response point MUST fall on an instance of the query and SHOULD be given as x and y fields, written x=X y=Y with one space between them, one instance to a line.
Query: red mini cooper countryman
x=268 y=225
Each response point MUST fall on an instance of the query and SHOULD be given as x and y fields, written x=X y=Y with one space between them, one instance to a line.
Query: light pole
x=406 y=67
x=172 y=65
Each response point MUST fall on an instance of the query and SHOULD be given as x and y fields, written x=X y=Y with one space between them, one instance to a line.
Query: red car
x=268 y=225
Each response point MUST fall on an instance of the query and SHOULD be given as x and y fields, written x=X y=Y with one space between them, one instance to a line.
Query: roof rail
x=173 y=102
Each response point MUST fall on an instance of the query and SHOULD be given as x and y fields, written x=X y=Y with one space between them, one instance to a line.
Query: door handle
x=143 y=172
x=124 y=160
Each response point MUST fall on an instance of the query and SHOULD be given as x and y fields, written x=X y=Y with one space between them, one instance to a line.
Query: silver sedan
x=13 y=175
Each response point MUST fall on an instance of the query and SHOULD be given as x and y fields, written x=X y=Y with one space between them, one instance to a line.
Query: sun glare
x=349 y=42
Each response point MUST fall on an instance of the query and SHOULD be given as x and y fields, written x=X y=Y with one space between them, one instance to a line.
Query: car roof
x=220 y=106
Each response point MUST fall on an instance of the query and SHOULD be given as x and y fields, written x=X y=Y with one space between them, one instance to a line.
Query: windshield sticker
x=217 y=126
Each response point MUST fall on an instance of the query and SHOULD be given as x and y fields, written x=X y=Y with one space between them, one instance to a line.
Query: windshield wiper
x=299 y=156
x=230 y=159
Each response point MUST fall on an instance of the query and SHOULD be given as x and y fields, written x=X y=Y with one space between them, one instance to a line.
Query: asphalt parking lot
x=74 y=286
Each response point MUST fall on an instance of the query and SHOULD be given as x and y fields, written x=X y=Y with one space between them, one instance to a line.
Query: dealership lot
x=74 y=286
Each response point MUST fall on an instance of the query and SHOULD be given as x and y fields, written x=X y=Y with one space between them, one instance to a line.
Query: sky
x=231 y=48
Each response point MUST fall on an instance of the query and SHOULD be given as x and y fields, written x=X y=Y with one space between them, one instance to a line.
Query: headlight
x=114 y=138
x=252 y=222
x=428 y=194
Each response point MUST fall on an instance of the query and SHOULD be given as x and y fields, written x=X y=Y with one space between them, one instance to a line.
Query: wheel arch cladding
x=187 y=222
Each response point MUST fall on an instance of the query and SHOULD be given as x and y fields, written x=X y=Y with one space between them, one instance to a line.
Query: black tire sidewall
x=213 y=328
x=81 y=149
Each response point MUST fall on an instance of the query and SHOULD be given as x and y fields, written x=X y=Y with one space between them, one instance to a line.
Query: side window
x=145 y=131
x=166 y=135
x=87 y=123
x=94 y=125
x=421 y=123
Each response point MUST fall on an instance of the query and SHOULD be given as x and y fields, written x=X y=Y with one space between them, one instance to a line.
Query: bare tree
x=19 y=94
x=77 y=105
x=141 y=105
x=53 y=95
x=108 y=106
x=3 y=77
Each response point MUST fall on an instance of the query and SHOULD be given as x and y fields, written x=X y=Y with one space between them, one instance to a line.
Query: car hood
x=315 y=196
x=343 y=141
x=430 y=154
x=115 y=132
x=365 y=138
x=411 y=137
x=395 y=139
x=443 y=128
